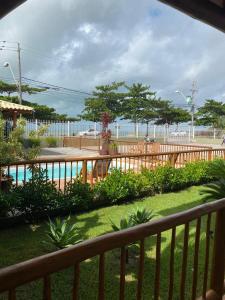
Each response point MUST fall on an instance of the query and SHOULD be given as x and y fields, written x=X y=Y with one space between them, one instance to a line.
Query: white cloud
x=83 y=43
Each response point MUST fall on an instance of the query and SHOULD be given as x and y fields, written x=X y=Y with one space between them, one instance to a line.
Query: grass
x=25 y=242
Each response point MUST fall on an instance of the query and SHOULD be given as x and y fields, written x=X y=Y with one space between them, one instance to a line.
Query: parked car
x=90 y=132
x=178 y=133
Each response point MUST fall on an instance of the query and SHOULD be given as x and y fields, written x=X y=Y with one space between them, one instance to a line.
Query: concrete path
x=66 y=151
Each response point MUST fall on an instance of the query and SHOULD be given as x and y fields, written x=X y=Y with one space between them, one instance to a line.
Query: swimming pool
x=59 y=171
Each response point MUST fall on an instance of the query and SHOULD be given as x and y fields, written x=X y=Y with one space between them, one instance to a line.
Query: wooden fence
x=93 y=169
x=127 y=146
x=200 y=218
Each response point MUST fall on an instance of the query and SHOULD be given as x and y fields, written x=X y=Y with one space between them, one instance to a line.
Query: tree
x=211 y=113
x=106 y=98
x=148 y=113
x=168 y=114
x=135 y=103
x=43 y=112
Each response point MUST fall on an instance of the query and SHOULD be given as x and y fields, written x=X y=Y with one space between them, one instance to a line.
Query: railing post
x=218 y=263
x=80 y=142
x=68 y=128
x=209 y=154
x=84 y=171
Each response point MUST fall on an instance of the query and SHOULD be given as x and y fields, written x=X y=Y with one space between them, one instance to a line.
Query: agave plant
x=216 y=190
x=61 y=234
x=141 y=215
x=124 y=224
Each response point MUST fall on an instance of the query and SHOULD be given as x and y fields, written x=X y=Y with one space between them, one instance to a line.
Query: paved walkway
x=66 y=151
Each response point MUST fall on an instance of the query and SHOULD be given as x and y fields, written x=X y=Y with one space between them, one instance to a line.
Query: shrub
x=215 y=190
x=140 y=216
x=31 y=142
x=51 y=141
x=77 y=195
x=124 y=224
x=4 y=205
x=61 y=234
x=120 y=186
x=38 y=196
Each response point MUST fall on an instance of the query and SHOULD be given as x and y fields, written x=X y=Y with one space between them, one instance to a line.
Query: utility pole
x=20 y=73
x=193 y=90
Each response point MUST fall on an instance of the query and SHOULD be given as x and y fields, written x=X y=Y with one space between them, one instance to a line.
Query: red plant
x=106 y=119
x=106 y=135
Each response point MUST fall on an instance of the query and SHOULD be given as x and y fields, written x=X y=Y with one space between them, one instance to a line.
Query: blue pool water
x=59 y=171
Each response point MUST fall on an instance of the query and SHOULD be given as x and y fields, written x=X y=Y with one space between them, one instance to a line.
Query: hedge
x=38 y=198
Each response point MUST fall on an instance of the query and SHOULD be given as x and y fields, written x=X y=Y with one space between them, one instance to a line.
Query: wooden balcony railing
x=208 y=219
x=93 y=169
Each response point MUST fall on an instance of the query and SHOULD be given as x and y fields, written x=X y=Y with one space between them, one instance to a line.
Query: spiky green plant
x=62 y=234
x=216 y=190
x=141 y=215
x=124 y=224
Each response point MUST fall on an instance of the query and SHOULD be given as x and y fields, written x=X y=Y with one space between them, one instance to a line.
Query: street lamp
x=7 y=65
x=190 y=102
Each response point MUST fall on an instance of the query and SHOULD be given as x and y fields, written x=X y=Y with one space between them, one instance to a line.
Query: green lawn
x=25 y=242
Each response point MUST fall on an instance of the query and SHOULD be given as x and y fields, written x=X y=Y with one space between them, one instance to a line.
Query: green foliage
x=136 y=217
x=141 y=215
x=61 y=234
x=51 y=141
x=138 y=104
x=119 y=186
x=168 y=114
x=38 y=196
x=42 y=112
x=106 y=99
x=210 y=114
x=124 y=224
x=215 y=190
x=77 y=195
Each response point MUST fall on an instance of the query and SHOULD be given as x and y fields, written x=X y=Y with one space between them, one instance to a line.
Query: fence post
x=218 y=263
x=117 y=130
x=209 y=154
x=137 y=129
x=84 y=171
x=36 y=125
x=95 y=129
x=68 y=128
x=193 y=132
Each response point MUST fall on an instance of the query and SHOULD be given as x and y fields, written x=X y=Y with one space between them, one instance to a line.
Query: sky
x=80 y=44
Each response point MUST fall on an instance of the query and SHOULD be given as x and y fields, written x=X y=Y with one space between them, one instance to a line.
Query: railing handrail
x=30 y=270
x=102 y=157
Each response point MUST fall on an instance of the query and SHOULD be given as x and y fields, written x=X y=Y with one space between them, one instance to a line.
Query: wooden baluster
x=171 y=274
x=16 y=175
x=25 y=174
x=218 y=263
x=53 y=170
x=59 y=175
x=195 y=274
x=140 y=270
x=84 y=171
x=207 y=248
x=76 y=282
x=122 y=272
x=184 y=262
x=65 y=176
x=12 y=294
x=71 y=170
x=101 y=291
x=47 y=288
x=157 y=268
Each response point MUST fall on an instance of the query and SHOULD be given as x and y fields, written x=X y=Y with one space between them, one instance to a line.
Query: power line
x=59 y=87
